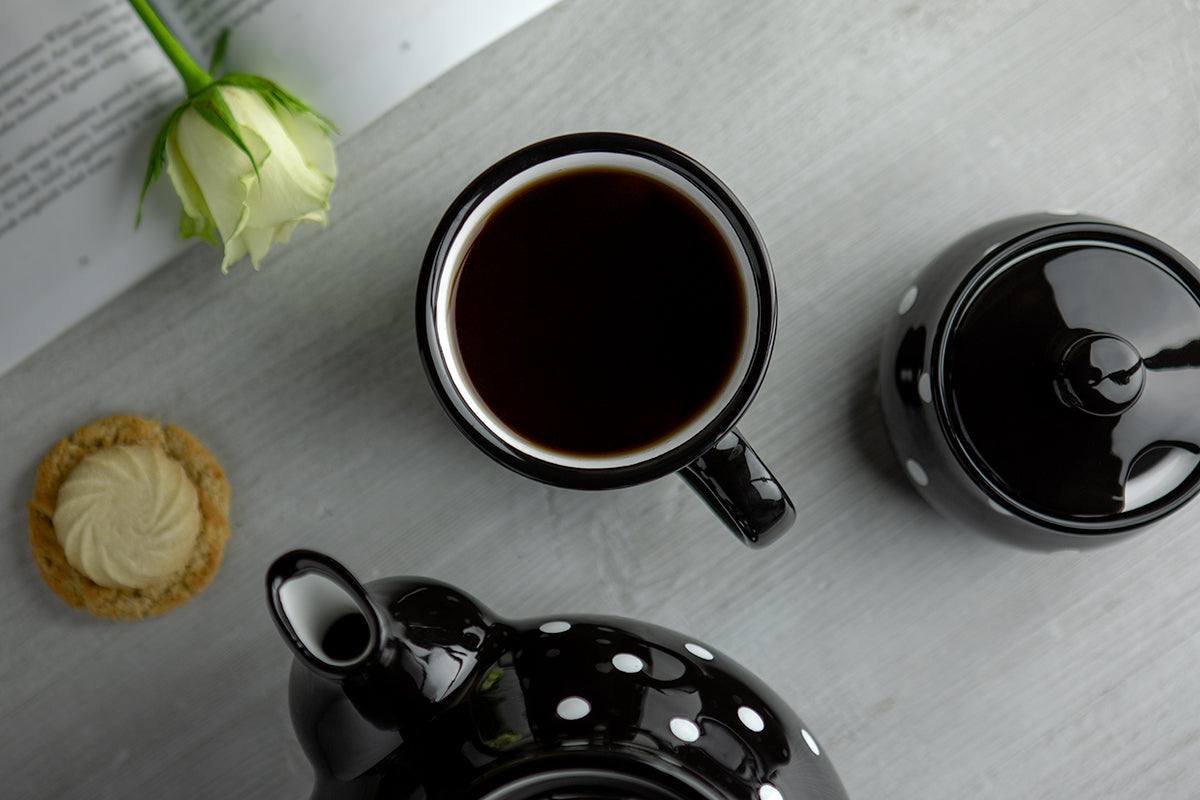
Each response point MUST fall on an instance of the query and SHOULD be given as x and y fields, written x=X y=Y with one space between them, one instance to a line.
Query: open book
x=84 y=88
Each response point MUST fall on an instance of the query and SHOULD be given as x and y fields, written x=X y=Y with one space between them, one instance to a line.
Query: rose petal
x=312 y=141
x=217 y=165
x=220 y=187
x=285 y=188
x=190 y=195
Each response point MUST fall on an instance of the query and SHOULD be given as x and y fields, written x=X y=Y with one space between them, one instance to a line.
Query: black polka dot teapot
x=407 y=688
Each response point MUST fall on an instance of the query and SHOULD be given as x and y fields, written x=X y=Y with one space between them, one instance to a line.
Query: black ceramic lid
x=1068 y=377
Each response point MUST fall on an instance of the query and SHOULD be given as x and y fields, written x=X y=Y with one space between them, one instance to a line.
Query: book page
x=84 y=88
x=351 y=59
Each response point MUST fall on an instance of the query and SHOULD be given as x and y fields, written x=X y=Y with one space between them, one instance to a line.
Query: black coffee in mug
x=598 y=310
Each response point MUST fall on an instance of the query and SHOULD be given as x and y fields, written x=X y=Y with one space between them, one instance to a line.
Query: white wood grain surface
x=863 y=135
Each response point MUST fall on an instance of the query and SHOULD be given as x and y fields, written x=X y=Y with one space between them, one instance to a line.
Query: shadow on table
x=872 y=445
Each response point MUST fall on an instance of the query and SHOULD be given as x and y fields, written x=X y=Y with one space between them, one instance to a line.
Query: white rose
x=252 y=205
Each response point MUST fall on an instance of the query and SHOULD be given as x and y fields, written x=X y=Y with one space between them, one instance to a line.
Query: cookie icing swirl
x=127 y=516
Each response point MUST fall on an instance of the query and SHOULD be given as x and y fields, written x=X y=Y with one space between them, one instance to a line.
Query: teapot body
x=459 y=704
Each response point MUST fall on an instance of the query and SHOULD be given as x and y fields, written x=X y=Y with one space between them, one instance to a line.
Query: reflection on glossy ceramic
x=1039 y=380
x=409 y=689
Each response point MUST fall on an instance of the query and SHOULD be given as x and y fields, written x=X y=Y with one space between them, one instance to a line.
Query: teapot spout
x=324 y=614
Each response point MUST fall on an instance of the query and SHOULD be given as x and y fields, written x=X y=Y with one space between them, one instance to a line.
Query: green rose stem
x=194 y=78
x=196 y=81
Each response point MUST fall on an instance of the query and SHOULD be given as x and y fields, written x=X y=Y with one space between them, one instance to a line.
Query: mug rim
x=761 y=294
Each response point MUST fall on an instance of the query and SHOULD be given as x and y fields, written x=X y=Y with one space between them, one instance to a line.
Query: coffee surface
x=598 y=311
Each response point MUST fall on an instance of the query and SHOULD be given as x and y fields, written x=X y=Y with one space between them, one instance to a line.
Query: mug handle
x=739 y=488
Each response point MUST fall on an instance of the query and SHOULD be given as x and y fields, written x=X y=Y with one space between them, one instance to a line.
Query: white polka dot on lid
x=906 y=302
x=628 y=662
x=555 y=626
x=925 y=388
x=698 y=651
x=573 y=708
x=769 y=792
x=685 y=729
x=811 y=742
x=916 y=472
x=751 y=719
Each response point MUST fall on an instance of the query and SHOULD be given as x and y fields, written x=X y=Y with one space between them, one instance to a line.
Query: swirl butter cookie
x=129 y=518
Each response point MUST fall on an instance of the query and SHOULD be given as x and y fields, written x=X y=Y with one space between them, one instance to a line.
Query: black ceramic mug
x=597 y=310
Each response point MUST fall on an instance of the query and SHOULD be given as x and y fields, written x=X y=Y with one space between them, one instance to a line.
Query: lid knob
x=1101 y=374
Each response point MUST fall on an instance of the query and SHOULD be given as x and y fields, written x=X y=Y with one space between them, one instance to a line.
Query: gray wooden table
x=863 y=135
